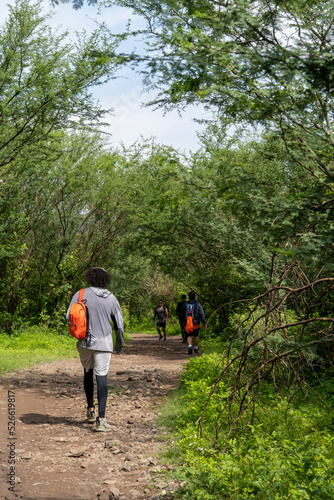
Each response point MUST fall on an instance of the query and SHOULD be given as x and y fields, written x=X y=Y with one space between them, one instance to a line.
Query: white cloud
x=131 y=120
x=128 y=124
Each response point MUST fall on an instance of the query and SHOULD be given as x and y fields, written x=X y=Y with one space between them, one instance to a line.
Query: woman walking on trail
x=96 y=348
x=161 y=314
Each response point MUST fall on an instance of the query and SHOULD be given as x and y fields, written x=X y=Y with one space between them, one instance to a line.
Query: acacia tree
x=265 y=62
x=45 y=90
x=46 y=82
x=255 y=63
x=73 y=214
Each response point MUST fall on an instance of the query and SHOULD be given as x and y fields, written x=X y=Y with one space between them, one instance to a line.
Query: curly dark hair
x=97 y=276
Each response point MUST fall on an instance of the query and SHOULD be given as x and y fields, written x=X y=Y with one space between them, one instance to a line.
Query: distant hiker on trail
x=192 y=315
x=179 y=308
x=96 y=347
x=161 y=314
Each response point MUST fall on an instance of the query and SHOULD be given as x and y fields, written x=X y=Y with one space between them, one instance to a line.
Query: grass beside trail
x=34 y=345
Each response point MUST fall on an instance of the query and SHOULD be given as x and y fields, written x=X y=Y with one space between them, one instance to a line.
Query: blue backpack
x=190 y=307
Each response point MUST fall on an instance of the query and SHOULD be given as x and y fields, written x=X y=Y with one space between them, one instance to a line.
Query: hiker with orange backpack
x=93 y=309
x=192 y=315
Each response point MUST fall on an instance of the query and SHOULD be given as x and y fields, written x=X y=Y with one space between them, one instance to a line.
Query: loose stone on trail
x=59 y=452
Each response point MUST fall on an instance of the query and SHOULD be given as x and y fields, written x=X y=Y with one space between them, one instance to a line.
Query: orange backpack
x=190 y=327
x=79 y=318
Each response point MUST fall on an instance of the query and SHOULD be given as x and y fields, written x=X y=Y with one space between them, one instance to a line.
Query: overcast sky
x=130 y=119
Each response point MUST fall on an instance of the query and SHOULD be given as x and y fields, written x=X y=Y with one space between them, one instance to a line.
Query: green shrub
x=207 y=367
x=281 y=451
x=263 y=469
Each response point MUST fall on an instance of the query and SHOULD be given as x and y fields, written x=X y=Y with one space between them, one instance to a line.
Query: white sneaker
x=102 y=425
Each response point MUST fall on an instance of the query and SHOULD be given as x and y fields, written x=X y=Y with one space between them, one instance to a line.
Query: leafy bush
x=206 y=367
x=282 y=451
x=263 y=468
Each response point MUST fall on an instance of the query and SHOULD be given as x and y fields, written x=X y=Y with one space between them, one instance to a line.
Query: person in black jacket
x=194 y=309
x=178 y=313
x=161 y=314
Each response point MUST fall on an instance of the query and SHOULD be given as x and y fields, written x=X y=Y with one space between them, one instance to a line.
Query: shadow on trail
x=40 y=419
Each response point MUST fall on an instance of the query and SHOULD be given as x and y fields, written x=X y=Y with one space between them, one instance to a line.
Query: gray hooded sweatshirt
x=103 y=307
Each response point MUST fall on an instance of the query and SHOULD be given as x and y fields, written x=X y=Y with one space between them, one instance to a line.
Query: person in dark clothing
x=178 y=313
x=161 y=314
x=198 y=316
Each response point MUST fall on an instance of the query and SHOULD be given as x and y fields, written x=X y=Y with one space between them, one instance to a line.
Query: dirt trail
x=57 y=455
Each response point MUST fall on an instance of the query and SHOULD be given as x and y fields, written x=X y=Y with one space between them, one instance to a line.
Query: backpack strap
x=80 y=299
x=191 y=307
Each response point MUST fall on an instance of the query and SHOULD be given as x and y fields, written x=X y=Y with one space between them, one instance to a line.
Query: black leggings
x=102 y=391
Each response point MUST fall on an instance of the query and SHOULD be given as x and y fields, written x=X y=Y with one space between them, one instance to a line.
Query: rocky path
x=54 y=454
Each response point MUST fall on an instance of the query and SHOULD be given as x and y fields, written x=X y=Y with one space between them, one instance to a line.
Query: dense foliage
x=48 y=168
x=283 y=451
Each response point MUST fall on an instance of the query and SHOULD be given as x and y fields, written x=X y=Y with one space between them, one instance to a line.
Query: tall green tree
x=266 y=64
x=45 y=92
x=72 y=215
x=255 y=63
x=46 y=83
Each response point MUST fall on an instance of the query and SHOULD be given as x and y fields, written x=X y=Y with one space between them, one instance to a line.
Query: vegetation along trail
x=59 y=456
